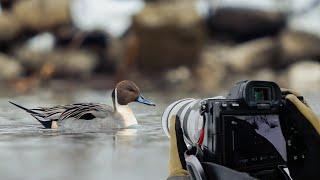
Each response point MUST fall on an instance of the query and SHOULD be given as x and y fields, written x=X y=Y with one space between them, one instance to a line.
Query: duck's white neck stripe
x=124 y=111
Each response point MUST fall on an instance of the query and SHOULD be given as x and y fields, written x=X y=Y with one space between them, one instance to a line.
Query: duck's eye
x=131 y=90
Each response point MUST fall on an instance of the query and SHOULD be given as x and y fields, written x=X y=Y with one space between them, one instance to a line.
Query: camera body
x=227 y=136
x=246 y=130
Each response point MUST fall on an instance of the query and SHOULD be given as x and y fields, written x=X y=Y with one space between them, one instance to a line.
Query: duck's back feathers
x=90 y=116
x=79 y=112
x=86 y=111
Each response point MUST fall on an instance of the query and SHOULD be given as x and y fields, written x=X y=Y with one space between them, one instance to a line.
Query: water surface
x=29 y=152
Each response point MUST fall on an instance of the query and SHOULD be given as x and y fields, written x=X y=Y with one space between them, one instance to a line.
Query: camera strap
x=201 y=137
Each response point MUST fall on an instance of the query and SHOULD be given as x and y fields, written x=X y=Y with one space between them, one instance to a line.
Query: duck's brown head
x=127 y=91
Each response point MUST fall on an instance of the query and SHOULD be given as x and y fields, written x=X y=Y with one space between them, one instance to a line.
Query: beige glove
x=177 y=164
x=307 y=126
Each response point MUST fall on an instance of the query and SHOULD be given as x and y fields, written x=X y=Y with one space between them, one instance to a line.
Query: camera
x=245 y=131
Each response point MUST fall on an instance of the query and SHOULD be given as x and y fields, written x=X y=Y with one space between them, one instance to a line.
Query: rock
x=65 y=63
x=7 y=4
x=268 y=74
x=265 y=75
x=43 y=42
x=65 y=34
x=297 y=45
x=97 y=41
x=74 y=63
x=211 y=72
x=304 y=76
x=244 y=23
x=168 y=35
x=72 y=36
x=9 y=68
x=10 y=27
x=42 y=15
x=281 y=77
x=31 y=60
x=178 y=75
x=260 y=53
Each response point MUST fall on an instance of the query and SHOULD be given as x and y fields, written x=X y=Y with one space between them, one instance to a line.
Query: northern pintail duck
x=93 y=115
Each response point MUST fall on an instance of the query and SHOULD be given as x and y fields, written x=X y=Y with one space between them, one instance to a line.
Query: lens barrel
x=188 y=111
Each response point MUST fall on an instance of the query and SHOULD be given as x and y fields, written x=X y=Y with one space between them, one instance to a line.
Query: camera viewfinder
x=262 y=93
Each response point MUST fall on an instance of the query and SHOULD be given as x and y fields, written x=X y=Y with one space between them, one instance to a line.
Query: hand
x=308 y=128
x=177 y=163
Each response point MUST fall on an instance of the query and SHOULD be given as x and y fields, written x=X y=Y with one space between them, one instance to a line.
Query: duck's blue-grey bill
x=143 y=100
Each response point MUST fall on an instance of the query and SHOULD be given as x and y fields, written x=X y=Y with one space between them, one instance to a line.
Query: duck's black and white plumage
x=93 y=115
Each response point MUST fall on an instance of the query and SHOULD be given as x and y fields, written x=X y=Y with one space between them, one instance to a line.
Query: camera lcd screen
x=254 y=140
x=262 y=93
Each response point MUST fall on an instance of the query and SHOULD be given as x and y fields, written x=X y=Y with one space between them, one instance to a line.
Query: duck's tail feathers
x=36 y=115
x=26 y=109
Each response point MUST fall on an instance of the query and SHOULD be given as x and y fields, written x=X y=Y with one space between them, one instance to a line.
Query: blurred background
x=194 y=45
x=66 y=51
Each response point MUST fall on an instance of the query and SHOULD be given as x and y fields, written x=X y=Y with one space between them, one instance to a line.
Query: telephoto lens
x=188 y=111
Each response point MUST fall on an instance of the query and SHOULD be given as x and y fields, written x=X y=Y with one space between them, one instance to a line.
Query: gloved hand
x=307 y=124
x=177 y=163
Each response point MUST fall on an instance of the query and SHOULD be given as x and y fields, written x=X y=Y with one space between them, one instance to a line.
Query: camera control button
x=235 y=104
x=254 y=159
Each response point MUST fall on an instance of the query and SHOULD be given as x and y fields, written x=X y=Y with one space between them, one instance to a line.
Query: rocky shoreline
x=168 y=46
